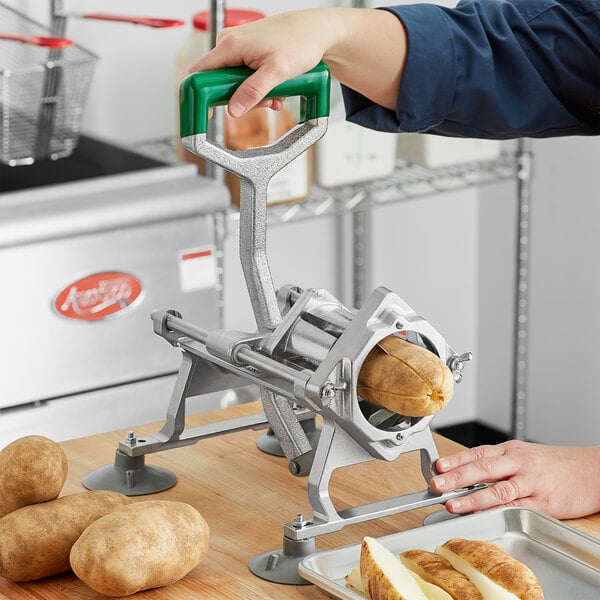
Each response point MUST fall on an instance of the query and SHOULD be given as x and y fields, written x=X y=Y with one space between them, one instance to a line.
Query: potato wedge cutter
x=305 y=353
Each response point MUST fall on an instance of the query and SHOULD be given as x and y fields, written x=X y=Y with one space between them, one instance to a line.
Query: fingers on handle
x=502 y=493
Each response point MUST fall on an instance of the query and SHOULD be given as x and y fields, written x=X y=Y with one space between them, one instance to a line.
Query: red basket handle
x=37 y=40
x=147 y=21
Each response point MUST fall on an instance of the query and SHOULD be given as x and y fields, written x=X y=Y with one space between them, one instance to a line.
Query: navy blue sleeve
x=495 y=69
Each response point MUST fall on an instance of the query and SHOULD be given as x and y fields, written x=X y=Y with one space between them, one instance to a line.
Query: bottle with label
x=259 y=127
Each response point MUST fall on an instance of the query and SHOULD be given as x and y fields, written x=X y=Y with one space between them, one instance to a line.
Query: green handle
x=204 y=89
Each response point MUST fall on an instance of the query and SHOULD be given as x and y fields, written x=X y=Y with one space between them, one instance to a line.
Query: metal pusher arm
x=255 y=168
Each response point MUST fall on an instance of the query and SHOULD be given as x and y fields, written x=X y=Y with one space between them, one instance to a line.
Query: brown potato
x=438 y=570
x=35 y=541
x=483 y=561
x=32 y=469
x=146 y=545
x=383 y=576
x=405 y=378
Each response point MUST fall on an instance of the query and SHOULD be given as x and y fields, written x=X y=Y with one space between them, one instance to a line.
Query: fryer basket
x=42 y=93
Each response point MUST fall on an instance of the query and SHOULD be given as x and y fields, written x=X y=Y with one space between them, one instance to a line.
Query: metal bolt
x=399 y=325
x=294 y=467
x=400 y=436
x=328 y=392
x=131 y=439
x=299 y=521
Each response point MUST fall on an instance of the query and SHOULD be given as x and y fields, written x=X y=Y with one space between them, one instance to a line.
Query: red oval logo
x=98 y=296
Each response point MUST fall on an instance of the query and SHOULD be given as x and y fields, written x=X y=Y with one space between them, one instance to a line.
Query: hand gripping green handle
x=204 y=89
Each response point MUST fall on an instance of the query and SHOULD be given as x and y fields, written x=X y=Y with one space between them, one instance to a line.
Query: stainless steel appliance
x=90 y=245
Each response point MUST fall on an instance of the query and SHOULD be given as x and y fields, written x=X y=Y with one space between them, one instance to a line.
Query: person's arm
x=495 y=69
x=487 y=68
x=561 y=481
x=363 y=48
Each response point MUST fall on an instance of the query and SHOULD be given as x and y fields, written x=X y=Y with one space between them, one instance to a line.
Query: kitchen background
x=451 y=256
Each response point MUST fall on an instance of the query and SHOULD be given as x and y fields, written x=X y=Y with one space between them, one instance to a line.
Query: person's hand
x=278 y=48
x=561 y=481
x=363 y=48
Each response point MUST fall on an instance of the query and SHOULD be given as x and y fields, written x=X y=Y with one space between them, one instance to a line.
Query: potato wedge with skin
x=431 y=591
x=35 y=540
x=494 y=571
x=142 y=546
x=436 y=569
x=383 y=575
x=405 y=378
x=353 y=580
x=32 y=469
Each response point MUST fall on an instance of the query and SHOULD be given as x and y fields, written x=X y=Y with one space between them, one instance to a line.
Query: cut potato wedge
x=437 y=570
x=384 y=577
x=497 y=574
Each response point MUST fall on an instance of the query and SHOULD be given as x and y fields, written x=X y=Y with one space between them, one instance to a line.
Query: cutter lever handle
x=199 y=91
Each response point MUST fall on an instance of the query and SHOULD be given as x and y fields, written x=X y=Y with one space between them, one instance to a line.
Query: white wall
x=564 y=326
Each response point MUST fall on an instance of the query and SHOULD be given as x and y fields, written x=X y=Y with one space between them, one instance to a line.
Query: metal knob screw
x=131 y=439
x=456 y=364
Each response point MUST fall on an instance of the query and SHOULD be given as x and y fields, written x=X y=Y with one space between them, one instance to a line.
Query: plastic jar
x=259 y=127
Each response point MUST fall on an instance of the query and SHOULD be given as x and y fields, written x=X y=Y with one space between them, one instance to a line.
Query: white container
x=349 y=153
x=436 y=151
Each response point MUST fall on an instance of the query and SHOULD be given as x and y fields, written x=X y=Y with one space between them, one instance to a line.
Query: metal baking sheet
x=566 y=561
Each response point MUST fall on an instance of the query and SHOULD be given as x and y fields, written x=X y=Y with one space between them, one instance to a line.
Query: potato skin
x=405 y=378
x=32 y=469
x=142 y=546
x=35 y=541
x=439 y=571
x=496 y=563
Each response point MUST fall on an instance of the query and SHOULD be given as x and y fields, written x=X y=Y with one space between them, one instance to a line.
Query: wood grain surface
x=246 y=497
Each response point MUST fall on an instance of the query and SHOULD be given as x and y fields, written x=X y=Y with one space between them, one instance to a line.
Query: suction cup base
x=130 y=475
x=281 y=566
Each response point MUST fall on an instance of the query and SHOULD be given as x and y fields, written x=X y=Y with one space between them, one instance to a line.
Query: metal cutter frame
x=306 y=357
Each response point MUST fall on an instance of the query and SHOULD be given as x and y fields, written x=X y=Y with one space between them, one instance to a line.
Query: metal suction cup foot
x=130 y=476
x=269 y=443
x=281 y=566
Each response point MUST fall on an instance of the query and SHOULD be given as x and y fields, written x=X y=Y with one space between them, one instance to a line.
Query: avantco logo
x=98 y=296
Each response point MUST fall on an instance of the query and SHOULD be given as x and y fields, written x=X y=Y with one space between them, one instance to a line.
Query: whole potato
x=32 y=469
x=35 y=541
x=145 y=545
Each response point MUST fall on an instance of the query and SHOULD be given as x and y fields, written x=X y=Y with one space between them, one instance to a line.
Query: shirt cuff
x=428 y=82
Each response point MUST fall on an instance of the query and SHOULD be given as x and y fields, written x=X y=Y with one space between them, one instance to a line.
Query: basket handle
x=146 y=21
x=37 y=40
x=199 y=91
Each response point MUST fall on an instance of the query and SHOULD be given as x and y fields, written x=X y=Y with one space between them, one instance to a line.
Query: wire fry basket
x=43 y=91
